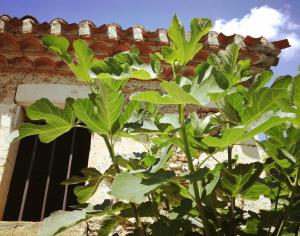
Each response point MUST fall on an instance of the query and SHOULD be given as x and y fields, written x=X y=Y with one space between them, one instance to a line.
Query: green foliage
x=90 y=175
x=60 y=220
x=139 y=187
x=202 y=200
x=85 y=111
x=182 y=49
x=239 y=179
x=108 y=225
x=58 y=121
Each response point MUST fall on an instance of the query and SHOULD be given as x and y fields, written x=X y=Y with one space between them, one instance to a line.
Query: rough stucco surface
x=9 y=82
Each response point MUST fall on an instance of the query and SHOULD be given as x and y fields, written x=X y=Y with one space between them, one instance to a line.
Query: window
x=35 y=189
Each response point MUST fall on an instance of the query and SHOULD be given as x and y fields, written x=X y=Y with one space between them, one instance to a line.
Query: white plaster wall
x=57 y=93
x=11 y=116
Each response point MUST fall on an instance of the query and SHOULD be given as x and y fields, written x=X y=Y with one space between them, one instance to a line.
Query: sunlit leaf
x=162 y=157
x=85 y=57
x=58 y=45
x=110 y=103
x=58 y=121
x=85 y=111
x=182 y=49
x=138 y=189
x=175 y=95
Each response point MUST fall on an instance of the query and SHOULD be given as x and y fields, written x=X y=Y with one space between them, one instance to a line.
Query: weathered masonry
x=29 y=72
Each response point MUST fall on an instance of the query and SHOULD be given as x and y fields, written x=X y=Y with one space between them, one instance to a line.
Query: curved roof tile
x=20 y=45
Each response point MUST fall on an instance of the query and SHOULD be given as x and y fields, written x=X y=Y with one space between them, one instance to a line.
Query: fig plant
x=206 y=199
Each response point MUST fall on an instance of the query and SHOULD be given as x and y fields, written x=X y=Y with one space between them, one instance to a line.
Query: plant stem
x=166 y=200
x=280 y=226
x=192 y=170
x=154 y=206
x=133 y=206
x=276 y=204
x=138 y=219
x=111 y=153
x=232 y=200
x=297 y=230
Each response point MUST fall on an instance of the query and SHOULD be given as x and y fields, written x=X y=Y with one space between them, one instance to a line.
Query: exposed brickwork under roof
x=21 y=48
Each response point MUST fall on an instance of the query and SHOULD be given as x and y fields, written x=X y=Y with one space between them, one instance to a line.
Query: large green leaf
x=262 y=101
x=175 y=95
x=199 y=94
x=110 y=103
x=199 y=28
x=226 y=62
x=100 y=117
x=241 y=178
x=58 y=121
x=155 y=63
x=255 y=116
x=296 y=98
x=123 y=66
x=296 y=91
x=211 y=84
x=58 y=45
x=132 y=188
x=85 y=57
x=154 y=97
x=229 y=57
x=129 y=110
x=283 y=145
x=261 y=80
x=162 y=157
x=178 y=93
x=207 y=180
x=171 y=119
x=229 y=136
x=60 y=220
x=257 y=189
x=85 y=192
x=233 y=106
x=251 y=226
x=85 y=111
x=182 y=49
x=237 y=134
x=140 y=74
x=200 y=126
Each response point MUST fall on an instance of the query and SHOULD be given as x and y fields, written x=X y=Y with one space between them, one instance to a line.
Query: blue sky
x=273 y=19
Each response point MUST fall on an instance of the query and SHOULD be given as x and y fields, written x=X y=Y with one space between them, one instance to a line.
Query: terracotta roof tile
x=20 y=45
x=281 y=44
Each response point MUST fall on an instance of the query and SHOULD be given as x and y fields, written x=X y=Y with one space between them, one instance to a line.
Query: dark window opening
x=35 y=190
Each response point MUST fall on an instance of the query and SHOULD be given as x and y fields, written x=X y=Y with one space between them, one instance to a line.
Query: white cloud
x=268 y=22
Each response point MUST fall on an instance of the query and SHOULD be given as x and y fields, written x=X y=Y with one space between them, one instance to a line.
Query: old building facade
x=29 y=72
